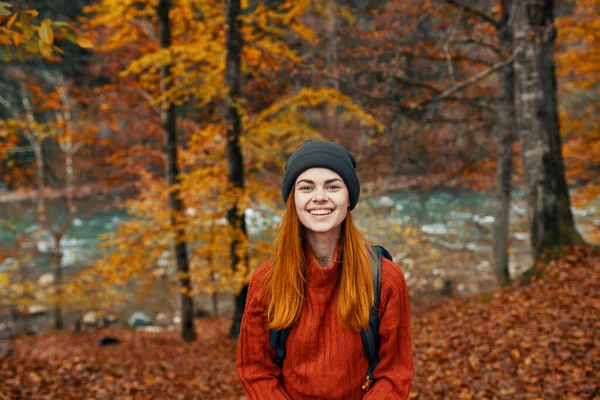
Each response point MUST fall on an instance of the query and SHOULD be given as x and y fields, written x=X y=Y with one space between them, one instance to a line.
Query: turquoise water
x=81 y=241
x=455 y=223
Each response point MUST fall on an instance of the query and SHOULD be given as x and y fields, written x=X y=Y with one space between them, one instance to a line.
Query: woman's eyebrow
x=312 y=183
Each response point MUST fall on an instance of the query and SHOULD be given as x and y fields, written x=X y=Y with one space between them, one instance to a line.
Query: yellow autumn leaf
x=84 y=42
x=45 y=32
x=32 y=45
x=17 y=39
x=11 y=21
x=46 y=50
x=4 y=281
x=32 y=13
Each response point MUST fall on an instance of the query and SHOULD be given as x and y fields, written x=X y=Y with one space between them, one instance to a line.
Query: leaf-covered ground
x=145 y=365
x=539 y=341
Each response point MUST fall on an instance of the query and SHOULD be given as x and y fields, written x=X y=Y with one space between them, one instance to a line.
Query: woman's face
x=322 y=200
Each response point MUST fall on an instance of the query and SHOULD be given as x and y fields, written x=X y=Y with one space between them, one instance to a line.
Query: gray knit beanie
x=317 y=153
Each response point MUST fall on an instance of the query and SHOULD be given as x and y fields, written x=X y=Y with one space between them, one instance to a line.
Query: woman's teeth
x=320 y=212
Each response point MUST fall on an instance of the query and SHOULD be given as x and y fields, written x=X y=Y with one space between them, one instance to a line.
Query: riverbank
x=99 y=192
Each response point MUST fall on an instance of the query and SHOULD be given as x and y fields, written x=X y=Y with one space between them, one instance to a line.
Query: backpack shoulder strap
x=370 y=337
x=278 y=340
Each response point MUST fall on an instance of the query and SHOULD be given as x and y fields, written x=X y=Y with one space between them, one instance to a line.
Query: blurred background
x=142 y=144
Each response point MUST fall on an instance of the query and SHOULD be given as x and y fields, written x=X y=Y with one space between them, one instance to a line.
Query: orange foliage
x=578 y=70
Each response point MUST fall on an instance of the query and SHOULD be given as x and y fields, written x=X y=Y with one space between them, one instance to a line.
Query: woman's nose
x=320 y=195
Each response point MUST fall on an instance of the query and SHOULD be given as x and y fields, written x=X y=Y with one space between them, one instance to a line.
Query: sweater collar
x=317 y=275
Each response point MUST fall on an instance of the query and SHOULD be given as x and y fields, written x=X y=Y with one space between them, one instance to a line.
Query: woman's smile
x=320 y=212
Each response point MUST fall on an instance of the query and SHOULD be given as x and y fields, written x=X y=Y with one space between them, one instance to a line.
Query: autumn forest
x=142 y=147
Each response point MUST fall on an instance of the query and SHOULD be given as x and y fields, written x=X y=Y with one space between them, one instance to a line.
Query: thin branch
x=415 y=83
x=59 y=234
x=475 y=12
x=29 y=116
x=20 y=149
x=478 y=42
x=7 y=105
x=314 y=69
x=447 y=45
x=464 y=84
x=8 y=226
x=155 y=107
x=410 y=111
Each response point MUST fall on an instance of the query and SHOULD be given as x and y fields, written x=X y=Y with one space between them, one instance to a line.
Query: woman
x=320 y=283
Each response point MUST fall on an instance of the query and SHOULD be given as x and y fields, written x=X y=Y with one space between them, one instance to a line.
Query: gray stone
x=138 y=319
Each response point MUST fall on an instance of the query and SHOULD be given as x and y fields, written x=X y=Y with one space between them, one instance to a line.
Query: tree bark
x=551 y=223
x=235 y=163
x=505 y=128
x=213 y=273
x=58 y=289
x=169 y=121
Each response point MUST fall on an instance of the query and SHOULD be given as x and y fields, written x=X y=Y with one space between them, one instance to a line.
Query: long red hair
x=285 y=282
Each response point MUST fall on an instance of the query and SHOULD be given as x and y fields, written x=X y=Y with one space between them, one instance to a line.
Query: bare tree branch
x=464 y=84
x=410 y=111
x=478 y=42
x=315 y=70
x=155 y=107
x=446 y=46
x=475 y=12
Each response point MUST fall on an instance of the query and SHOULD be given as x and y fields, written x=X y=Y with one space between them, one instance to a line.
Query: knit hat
x=317 y=153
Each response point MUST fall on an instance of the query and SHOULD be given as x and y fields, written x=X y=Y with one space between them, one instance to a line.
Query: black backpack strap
x=278 y=340
x=370 y=337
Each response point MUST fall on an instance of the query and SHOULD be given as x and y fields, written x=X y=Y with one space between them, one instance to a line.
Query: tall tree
x=548 y=205
x=69 y=141
x=233 y=152
x=169 y=121
x=505 y=129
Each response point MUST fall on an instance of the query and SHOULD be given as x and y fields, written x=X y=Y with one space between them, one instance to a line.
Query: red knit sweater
x=324 y=360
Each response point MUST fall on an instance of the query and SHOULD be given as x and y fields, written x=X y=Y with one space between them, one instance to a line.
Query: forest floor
x=540 y=341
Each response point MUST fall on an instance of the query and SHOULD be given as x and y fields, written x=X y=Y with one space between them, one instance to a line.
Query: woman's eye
x=305 y=188
x=333 y=187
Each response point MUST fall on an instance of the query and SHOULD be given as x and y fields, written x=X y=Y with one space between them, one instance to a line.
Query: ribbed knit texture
x=325 y=360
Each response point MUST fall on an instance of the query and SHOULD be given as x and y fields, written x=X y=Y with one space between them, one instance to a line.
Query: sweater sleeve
x=395 y=371
x=259 y=375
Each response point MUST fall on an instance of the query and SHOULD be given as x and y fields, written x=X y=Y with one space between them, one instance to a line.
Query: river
x=436 y=237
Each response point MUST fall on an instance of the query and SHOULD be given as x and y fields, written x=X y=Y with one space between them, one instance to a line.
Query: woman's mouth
x=320 y=211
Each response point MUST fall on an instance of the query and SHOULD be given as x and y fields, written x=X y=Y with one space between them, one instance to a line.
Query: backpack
x=370 y=337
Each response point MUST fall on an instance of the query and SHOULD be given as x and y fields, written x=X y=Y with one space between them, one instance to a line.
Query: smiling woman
x=319 y=290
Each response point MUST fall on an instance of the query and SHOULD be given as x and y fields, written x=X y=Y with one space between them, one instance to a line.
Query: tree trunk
x=505 y=128
x=58 y=289
x=213 y=277
x=233 y=152
x=169 y=122
x=551 y=223
x=36 y=140
x=77 y=325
